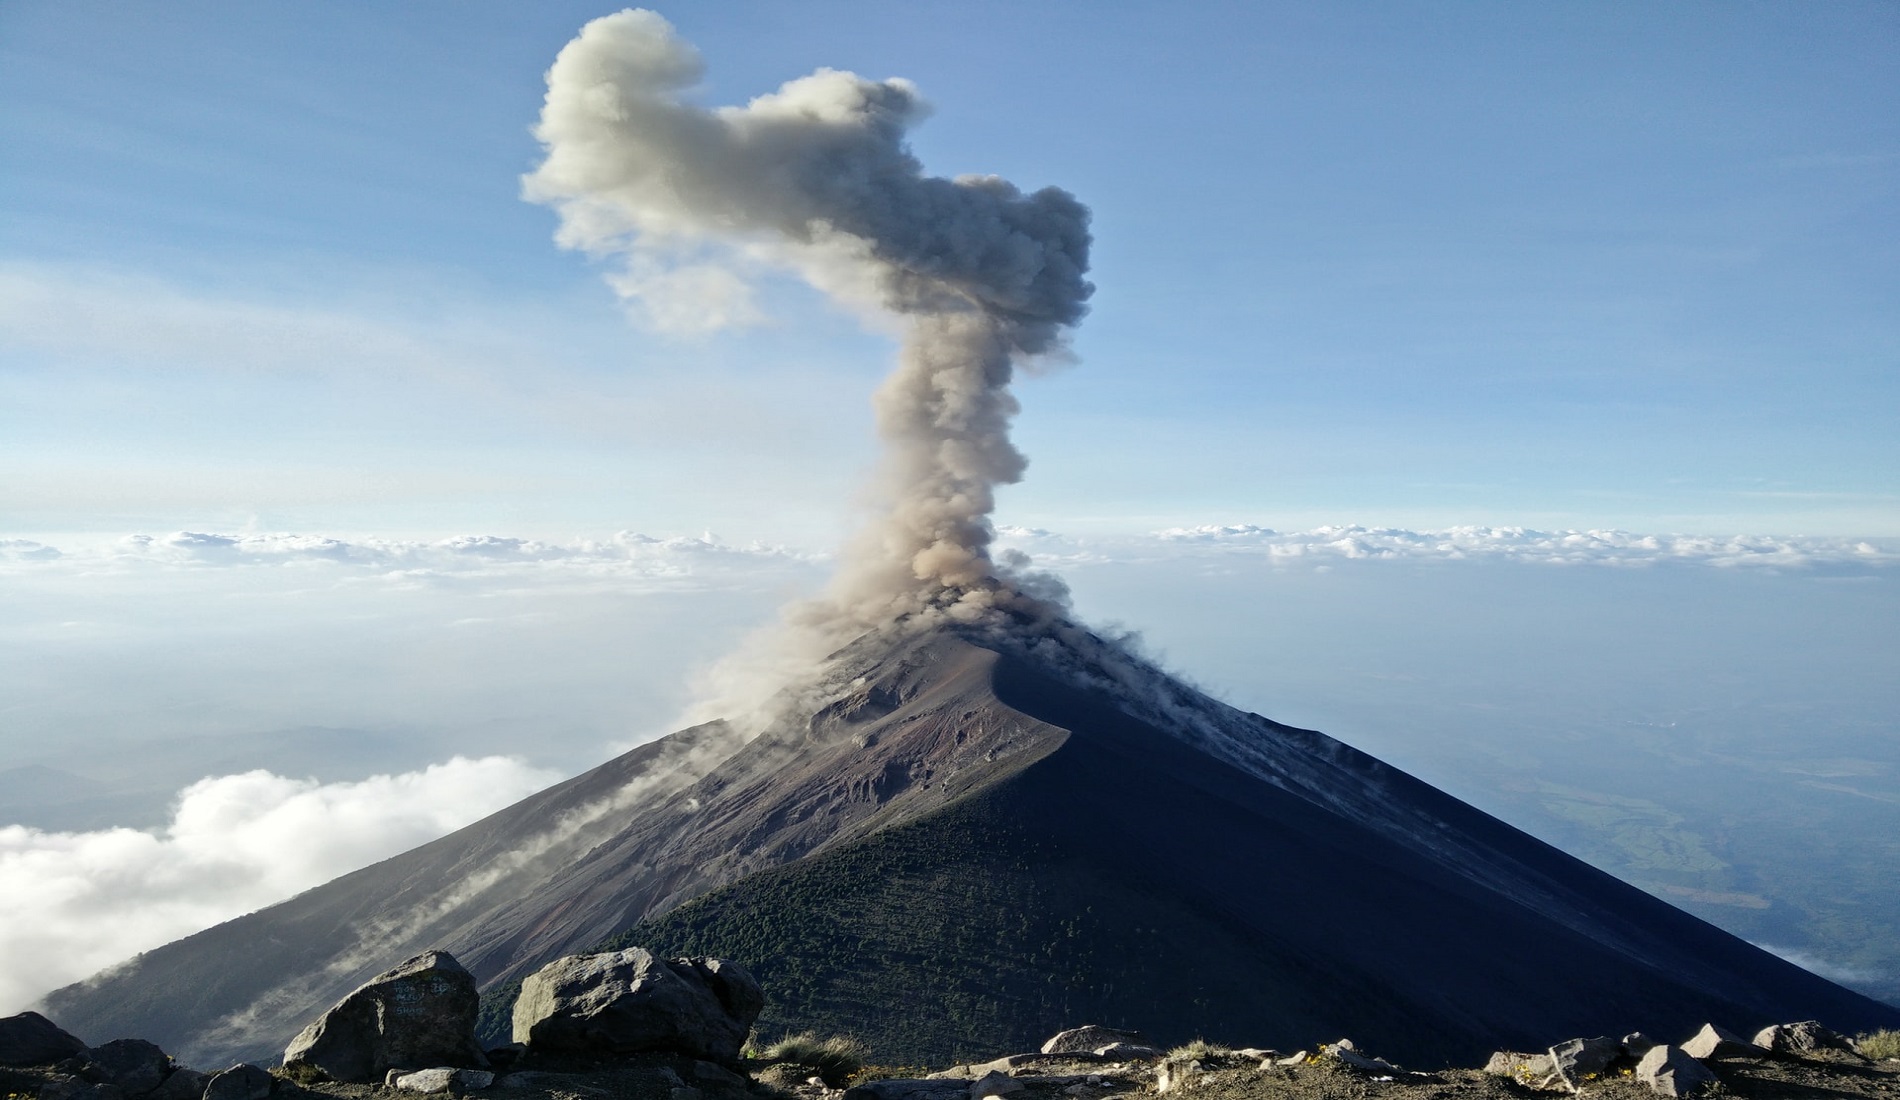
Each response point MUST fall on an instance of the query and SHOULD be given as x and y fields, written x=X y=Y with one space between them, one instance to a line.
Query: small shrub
x=1877 y=1045
x=1199 y=1048
x=837 y=1059
x=302 y=1073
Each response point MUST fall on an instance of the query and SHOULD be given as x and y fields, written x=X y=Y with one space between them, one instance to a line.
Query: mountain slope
x=964 y=841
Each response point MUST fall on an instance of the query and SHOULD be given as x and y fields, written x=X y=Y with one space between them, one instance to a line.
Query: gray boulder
x=1715 y=1041
x=1671 y=1072
x=1805 y=1037
x=1577 y=1060
x=30 y=1039
x=1523 y=1067
x=443 y=1079
x=134 y=1065
x=1347 y=1054
x=1131 y=1052
x=182 y=1084
x=629 y=1001
x=422 y=1013
x=995 y=1083
x=243 y=1081
x=1090 y=1038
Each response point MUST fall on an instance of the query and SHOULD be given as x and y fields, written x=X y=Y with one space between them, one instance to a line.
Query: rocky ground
x=410 y=1033
x=1826 y=1075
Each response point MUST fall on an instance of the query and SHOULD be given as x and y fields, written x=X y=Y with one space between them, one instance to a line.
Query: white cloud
x=1351 y=542
x=74 y=903
x=1814 y=964
x=628 y=553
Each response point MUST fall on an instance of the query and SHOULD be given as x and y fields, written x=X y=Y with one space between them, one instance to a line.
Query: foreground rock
x=1671 y=1071
x=1715 y=1041
x=417 y=1015
x=1575 y=1061
x=442 y=1079
x=134 y=1066
x=241 y=1082
x=626 y=1002
x=30 y=1039
x=1092 y=1038
x=1807 y=1037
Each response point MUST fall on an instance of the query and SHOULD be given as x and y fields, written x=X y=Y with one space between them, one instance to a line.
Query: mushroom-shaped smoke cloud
x=817 y=177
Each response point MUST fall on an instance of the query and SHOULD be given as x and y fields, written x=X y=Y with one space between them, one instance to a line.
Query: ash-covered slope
x=898 y=730
x=969 y=839
x=1128 y=878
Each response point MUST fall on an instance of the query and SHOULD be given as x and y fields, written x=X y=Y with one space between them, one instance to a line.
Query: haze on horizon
x=268 y=281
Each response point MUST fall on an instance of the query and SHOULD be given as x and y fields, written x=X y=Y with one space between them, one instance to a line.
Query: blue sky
x=1561 y=266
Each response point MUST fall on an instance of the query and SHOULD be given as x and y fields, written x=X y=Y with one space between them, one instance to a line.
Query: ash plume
x=817 y=178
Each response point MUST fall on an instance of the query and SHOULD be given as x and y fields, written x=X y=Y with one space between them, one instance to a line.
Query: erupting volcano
x=948 y=819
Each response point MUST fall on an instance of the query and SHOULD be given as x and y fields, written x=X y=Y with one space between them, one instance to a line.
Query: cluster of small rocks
x=1678 y=1070
x=1101 y=1063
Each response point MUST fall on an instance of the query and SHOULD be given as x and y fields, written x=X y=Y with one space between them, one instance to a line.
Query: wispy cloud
x=1815 y=964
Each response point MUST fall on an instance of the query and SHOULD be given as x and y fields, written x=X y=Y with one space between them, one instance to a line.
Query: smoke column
x=816 y=177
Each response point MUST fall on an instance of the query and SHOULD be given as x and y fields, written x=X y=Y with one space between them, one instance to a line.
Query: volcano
x=962 y=839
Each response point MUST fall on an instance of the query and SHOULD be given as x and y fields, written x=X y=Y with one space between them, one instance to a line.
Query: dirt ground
x=663 y=1077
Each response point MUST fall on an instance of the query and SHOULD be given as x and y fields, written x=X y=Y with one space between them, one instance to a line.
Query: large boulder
x=1806 y=1037
x=30 y=1039
x=443 y=1079
x=629 y=1001
x=134 y=1065
x=243 y=1081
x=1578 y=1060
x=1521 y=1066
x=420 y=1014
x=1672 y=1072
x=1716 y=1041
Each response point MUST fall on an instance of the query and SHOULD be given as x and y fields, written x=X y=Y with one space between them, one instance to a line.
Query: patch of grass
x=302 y=1073
x=837 y=1059
x=1199 y=1048
x=1881 y=1044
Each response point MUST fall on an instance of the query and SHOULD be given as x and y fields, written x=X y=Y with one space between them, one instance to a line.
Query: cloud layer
x=1351 y=542
x=706 y=558
x=73 y=903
